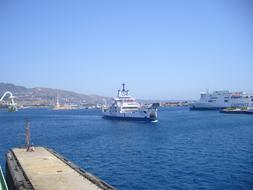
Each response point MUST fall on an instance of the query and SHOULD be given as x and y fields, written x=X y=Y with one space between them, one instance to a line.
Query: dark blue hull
x=211 y=108
x=236 y=112
x=232 y=112
x=128 y=118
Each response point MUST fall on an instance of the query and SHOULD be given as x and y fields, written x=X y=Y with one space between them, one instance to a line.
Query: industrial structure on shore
x=12 y=106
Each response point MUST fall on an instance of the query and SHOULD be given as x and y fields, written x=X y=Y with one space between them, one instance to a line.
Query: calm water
x=184 y=150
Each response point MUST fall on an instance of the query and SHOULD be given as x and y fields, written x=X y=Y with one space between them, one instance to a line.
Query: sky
x=161 y=49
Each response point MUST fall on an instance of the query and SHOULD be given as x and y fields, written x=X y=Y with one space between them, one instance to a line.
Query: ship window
x=210 y=100
x=225 y=100
x=130 y=107
x=251 y=100
x=236 y=97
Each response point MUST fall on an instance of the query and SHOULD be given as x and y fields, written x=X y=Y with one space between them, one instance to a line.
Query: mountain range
x=47 y=96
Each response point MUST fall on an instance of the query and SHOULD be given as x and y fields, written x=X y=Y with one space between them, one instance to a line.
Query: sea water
x=183 y=150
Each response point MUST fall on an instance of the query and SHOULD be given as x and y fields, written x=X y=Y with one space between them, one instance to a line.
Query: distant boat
x=62 y=107
x=125 y=107
x=57 y=106
x=243 y=110
x=222 y=100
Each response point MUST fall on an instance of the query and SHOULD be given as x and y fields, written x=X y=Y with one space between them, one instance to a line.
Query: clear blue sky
x=161 y=49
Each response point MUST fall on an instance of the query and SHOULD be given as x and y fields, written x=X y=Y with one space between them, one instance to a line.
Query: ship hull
x=206 y=108
x=126 y=118
x=131 y=116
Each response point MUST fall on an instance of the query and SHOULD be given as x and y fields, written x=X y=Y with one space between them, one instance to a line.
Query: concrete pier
x=44 y=169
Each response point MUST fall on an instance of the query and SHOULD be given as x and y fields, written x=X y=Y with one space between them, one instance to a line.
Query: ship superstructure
x=223 y=99
x=125 y=107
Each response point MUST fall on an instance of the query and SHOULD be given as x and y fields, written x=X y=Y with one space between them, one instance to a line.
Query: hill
x=47 y=96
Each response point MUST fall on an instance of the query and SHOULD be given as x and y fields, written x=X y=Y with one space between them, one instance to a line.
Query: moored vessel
x=222 y=99
x=243 y=110
x=125 y=107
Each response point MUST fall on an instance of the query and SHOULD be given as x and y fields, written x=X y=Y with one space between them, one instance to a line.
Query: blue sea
x=184 y=150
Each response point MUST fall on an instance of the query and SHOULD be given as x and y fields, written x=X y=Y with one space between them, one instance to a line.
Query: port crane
x=12 y=105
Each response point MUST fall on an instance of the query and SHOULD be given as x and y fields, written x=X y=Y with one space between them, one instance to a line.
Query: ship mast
x=57 y=101
x=123 y=87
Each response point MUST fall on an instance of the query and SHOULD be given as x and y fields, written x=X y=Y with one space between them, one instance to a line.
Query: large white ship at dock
x=223 y=99
x=125 y=107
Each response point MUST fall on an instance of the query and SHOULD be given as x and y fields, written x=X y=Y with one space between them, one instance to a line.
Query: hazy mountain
x=48 y=96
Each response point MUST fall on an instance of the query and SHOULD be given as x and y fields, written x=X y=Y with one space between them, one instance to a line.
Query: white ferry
x=222 y=99
x=125 y=107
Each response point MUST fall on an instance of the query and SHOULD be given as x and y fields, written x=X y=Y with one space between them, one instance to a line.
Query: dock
x=45 y=169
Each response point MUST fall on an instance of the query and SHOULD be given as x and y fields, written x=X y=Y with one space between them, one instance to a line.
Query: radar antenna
x=123 y=85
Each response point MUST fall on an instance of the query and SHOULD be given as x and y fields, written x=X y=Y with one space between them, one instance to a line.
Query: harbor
x=41 y=168
x=175 y=152
x=128 y=95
